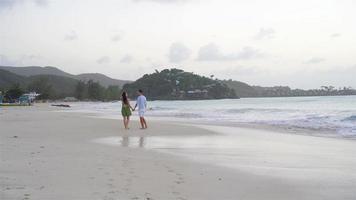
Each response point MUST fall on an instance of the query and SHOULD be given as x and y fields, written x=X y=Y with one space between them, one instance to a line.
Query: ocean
x=332 y=114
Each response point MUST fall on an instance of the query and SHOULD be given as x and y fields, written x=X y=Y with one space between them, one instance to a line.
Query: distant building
x=28 y=98
x=31 y=96
x=197 y=93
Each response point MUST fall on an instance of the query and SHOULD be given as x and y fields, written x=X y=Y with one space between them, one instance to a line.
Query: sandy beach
x=46 y=154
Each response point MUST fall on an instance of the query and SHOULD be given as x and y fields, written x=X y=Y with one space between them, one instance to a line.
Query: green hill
x=102 y=79
x=48 y=70
x=54 y=86
x=7 y=79
x=59 y=86
x=36 y=70
x=167 y=84
x=242 y=89
x=178 y=84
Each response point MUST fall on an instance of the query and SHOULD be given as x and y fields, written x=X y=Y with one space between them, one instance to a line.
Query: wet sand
x=56 y=155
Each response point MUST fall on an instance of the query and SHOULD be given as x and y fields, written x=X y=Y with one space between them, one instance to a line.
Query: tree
x=163 y=85
x=219 y=90
x=13 y=93
x=95 y=90
x=81 y=90
x=42 y=86
x=112 y=93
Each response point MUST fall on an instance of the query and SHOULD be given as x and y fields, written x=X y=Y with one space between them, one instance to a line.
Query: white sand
x=53 y=155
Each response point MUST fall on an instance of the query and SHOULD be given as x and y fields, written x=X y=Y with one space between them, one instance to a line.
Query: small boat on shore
x=61 y=105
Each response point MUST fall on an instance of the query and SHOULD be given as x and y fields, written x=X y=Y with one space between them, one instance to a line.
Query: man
x=141 y=103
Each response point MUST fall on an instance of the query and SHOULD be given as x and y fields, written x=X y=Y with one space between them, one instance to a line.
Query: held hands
x=133 y=109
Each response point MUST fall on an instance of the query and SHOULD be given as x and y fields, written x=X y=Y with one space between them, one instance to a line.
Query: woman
x=126 y=109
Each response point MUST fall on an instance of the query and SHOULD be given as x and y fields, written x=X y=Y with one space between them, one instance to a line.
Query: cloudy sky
x=304 y=43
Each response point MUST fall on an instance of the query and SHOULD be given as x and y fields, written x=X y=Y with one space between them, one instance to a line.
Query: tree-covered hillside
x=8 y=79
x=242 y=89
x=48 y=70
x=178 y=84
x=36 y=70
x=52 y=83
x=52 y=86
x=55 y=87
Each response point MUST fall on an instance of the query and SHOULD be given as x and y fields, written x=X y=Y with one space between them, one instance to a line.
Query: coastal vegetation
x=167 y=84
x=178 y=84
x=285 y=91
x=53 y=87
x=14 y=92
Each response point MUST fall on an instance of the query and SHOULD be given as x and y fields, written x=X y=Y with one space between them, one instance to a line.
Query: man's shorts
x=141 y=113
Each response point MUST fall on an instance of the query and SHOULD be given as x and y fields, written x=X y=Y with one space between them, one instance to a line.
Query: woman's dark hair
x=124 y=98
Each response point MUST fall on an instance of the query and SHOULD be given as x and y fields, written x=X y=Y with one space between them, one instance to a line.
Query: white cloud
x=21 y=60
x=247 y=53
x=320 y=30
x=42 y=3
x=71 y=36
x=103 y=60
x=265 y=33
x=126 y=59
x=314 y=60
x=335 y=35
x=5 y=61
x=116 y=38
x=241 y=71
x=211 y=52
x=8 y=4
x=178 y=52
x=162 y=1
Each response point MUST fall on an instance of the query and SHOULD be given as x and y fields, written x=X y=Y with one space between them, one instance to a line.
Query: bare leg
x=144 y=122
x=127 y=122
x=124 y=120
x=141 y=121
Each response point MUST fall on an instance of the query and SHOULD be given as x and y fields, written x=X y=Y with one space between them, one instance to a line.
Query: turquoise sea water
x=334 y=114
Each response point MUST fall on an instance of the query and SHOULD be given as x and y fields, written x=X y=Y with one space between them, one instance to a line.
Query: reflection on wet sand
x=127 y=141
x=142 y=142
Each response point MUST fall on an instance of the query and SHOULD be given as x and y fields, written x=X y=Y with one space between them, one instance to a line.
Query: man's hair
x=140 y=91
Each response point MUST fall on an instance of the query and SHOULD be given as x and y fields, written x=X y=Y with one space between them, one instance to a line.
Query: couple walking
x=141 y=103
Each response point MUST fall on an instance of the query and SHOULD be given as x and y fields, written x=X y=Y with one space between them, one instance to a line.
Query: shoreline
x=258 y=126
x=174 y=161
x=319 y=117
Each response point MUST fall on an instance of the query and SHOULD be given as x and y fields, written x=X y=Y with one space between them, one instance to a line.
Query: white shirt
x=141 y=103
